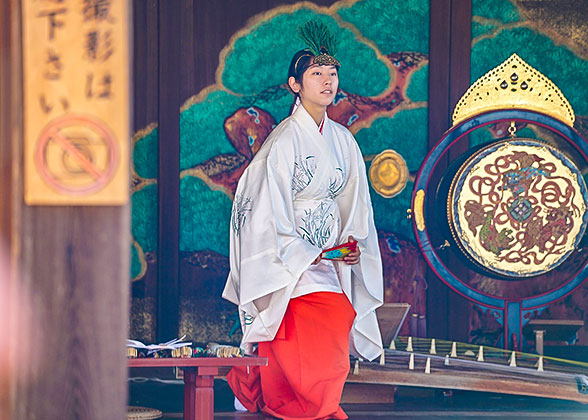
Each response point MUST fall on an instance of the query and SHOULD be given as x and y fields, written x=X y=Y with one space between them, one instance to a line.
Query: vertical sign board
x=76 y=89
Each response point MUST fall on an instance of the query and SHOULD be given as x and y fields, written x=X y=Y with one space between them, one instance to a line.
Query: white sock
x=239 y=406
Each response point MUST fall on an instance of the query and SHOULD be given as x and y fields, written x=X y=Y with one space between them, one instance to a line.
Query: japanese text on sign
x=77 y=105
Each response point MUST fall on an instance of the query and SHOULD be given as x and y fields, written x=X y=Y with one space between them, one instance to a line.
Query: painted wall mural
x=382 y=100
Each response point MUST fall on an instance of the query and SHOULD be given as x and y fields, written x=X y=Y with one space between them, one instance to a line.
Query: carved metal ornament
x=388 y=173
x=514 y=84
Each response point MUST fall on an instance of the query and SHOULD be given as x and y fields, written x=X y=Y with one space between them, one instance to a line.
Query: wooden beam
x=8 y=115
x=145 y=63
x=74 y=276
x=459 y=63
x=459 y=82
x=439 y=66
x=168 y=284
x=449 y=78
x=66 y=336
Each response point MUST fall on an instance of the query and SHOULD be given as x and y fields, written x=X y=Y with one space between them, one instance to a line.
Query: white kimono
x=303 y=192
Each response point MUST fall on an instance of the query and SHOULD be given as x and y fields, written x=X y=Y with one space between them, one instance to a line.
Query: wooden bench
x=199 y=373
x=541 y=330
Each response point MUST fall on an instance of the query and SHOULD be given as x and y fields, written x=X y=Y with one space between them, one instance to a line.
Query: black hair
x=299 y=63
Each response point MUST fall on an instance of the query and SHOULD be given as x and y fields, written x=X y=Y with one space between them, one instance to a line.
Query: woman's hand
x=317 y=260
x=353 y=257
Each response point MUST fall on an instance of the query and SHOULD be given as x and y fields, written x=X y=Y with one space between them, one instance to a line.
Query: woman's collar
x=303 y=116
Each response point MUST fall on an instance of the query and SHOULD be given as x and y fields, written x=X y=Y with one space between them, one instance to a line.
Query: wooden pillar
x=449 y=78
x=9 y=117
x=439 y=47
x=168 y=282
x=460 y=52
x=459 y=82
x=67 y=335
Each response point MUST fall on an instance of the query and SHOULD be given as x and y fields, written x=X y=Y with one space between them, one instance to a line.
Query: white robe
x=303 y=192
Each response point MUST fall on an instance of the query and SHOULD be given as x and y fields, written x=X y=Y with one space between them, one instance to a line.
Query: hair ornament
x=320 y=42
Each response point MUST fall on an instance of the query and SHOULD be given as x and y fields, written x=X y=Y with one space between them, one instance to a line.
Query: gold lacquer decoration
x=518 y=207
x=514 y=84
x=388 y=173
x=419 y=210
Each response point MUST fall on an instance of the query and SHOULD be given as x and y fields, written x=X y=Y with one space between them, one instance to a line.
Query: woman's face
x=319 y=86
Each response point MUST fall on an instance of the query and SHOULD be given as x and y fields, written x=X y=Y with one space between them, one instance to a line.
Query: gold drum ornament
x=514 y=84
x=388 y=173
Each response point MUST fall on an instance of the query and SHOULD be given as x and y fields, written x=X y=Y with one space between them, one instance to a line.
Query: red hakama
x=308 y=362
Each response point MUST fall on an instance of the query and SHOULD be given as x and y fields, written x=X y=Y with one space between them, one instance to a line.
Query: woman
x=304 y=191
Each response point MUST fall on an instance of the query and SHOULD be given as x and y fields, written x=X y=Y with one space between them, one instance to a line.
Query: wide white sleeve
x=363 y=282
x=267 y=255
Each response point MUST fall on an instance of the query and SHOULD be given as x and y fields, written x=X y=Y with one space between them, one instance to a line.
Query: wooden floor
x=411 y=403
x=375 y=412
x=435 y=415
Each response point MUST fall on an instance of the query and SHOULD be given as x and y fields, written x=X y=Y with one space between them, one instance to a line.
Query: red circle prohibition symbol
x=76 y=155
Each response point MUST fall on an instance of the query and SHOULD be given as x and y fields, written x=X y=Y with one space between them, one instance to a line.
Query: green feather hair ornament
x=321 y=43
